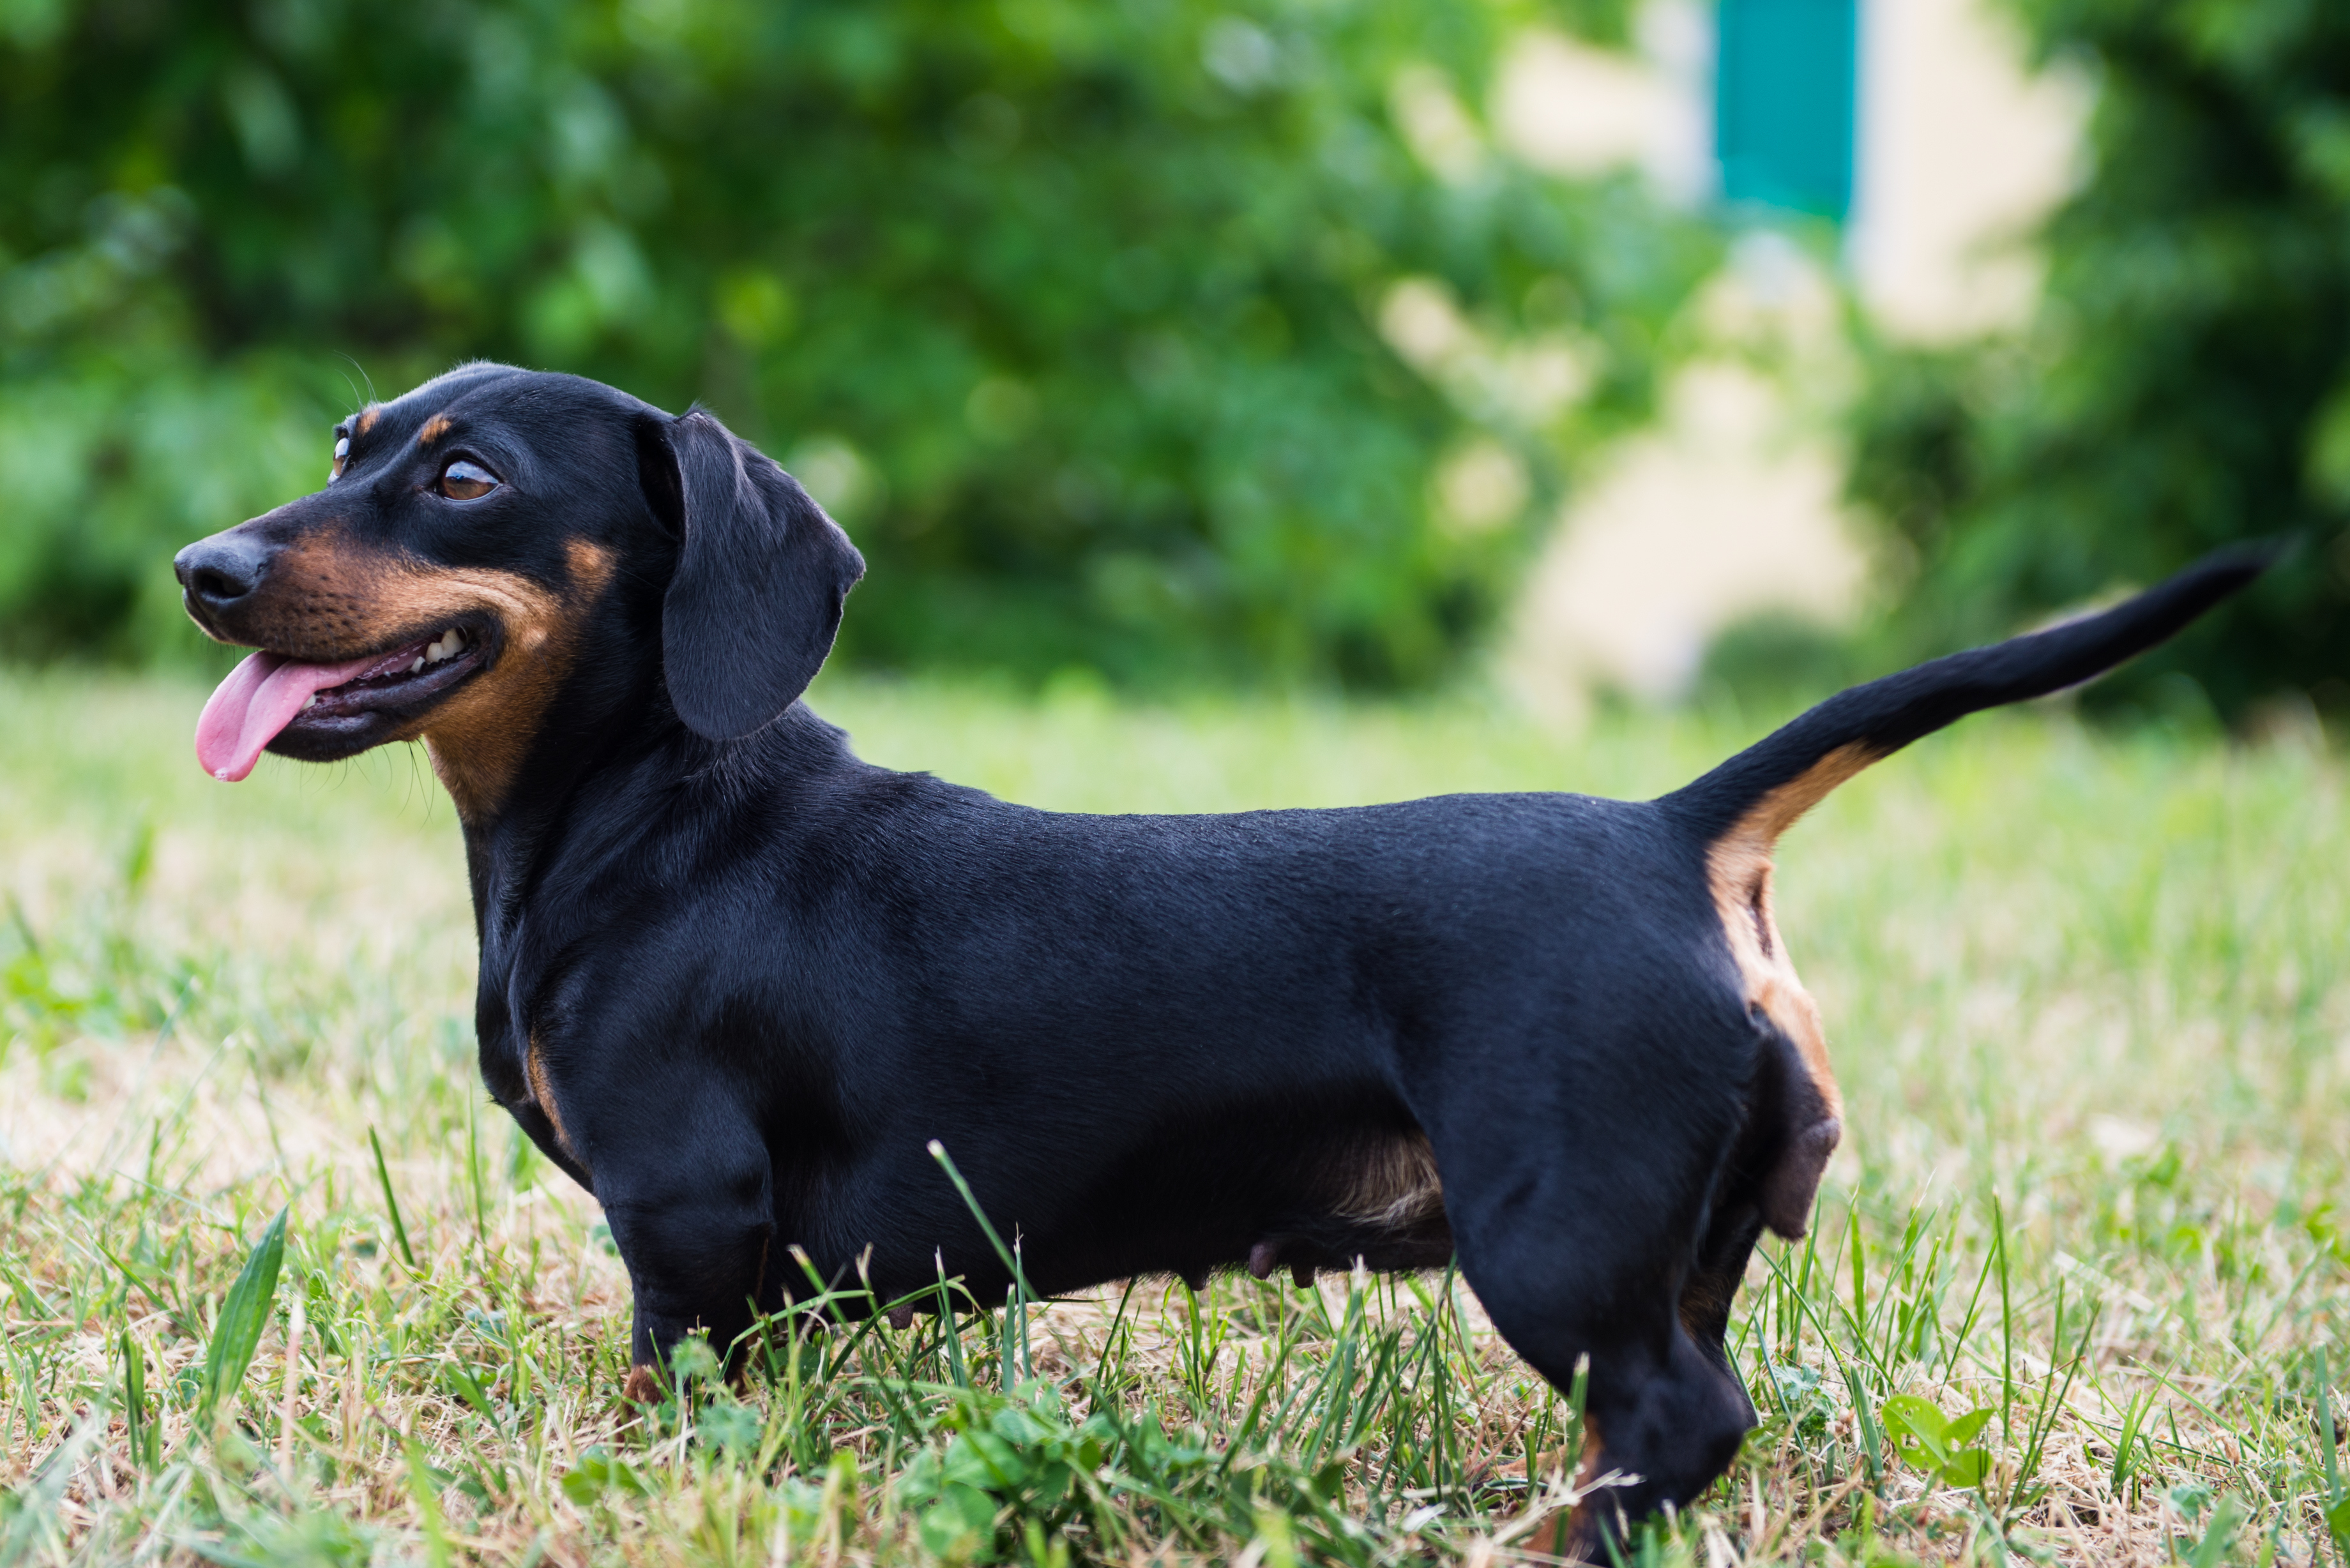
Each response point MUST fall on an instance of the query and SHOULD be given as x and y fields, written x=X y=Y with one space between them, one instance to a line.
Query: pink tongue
x=260 y=698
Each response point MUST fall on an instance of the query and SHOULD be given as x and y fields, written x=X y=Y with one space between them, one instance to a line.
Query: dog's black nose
x=221 y=570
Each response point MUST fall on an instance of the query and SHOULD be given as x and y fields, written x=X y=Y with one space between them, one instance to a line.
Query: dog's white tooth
x=416 y=665
x=310 y=701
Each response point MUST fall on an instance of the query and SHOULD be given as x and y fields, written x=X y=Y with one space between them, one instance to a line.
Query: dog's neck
x=635 y=773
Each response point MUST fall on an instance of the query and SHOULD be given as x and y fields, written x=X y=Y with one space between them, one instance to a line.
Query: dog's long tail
x=1764 y=789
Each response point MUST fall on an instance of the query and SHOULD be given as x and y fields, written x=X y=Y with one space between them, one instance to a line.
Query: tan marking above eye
x=368 y=416
x=434 y=429
x=591 y=568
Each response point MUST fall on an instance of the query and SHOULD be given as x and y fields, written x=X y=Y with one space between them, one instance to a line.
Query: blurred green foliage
x=2187 y=381
x=1072 y=310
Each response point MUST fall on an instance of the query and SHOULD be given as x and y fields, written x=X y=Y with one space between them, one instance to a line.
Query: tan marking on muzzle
x=320 y=599
x=434 y=429
x=328 y=598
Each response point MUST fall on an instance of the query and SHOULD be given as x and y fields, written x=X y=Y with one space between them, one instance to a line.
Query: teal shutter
x=1784 y=103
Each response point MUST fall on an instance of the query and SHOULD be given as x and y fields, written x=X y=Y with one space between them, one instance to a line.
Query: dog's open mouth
x=272 y=692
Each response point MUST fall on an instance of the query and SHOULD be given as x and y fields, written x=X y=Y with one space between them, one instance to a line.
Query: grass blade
x=134 y=1400
x=946 y=1163
x=237 y=1336
x=390 y=1204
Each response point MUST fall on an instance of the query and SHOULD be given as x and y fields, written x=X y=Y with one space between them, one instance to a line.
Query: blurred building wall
x=1961 y=153
x=1729 y=508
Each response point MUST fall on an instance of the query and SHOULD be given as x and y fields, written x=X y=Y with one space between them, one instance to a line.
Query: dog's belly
x=1251 y=1193
x=1353 y=1192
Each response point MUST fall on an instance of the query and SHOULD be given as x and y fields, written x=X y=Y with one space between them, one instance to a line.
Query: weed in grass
x=2077 y=1291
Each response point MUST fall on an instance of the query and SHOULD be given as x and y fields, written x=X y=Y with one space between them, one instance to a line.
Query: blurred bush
x=1175 y=340
x=2187 y=379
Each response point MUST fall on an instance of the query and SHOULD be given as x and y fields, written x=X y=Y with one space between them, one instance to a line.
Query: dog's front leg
x=1576 y=1234
x=688 y=1193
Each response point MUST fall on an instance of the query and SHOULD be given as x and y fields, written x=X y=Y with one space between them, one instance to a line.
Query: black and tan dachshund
x=735 y=981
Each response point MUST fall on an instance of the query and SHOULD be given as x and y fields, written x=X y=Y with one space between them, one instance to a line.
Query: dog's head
x=496 y=538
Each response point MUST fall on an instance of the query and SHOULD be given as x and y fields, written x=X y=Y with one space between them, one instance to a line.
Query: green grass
x=2087 y=999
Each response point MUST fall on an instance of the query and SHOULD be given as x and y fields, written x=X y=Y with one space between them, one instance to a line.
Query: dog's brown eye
x=342 y=455
x=464 y=481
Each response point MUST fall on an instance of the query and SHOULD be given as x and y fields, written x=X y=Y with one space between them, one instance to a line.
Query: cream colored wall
x=1724 y=509
x=1729 y=506
x=1961 y=153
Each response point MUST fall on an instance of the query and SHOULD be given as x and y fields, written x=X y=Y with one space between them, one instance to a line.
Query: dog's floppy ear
x=761 y=574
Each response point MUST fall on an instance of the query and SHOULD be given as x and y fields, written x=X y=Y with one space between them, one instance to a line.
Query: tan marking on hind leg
x=1738 y=872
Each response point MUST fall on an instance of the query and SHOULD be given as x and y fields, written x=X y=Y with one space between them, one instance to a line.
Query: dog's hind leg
x=1666 y=1409
x=1582 y=1238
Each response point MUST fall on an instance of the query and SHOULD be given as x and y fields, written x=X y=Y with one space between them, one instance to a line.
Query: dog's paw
x=642 y=1388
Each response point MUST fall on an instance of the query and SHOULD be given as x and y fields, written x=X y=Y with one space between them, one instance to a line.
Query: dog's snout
x=219 y=571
